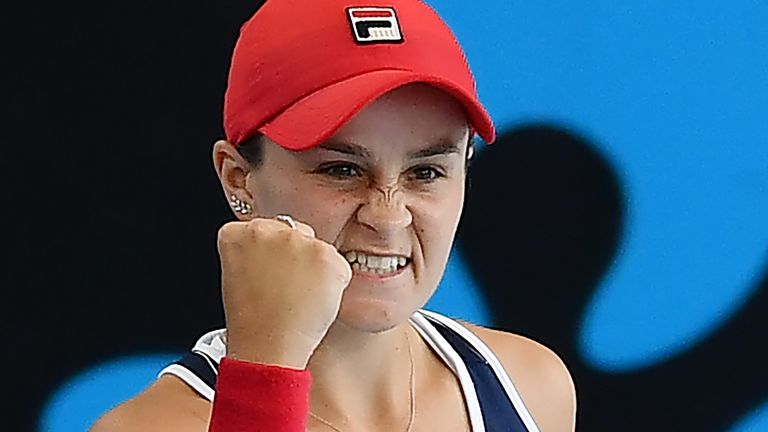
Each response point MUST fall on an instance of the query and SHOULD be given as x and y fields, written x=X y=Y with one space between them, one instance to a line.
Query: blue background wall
x=632 y=169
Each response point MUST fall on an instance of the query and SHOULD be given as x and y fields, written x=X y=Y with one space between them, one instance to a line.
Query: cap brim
x=314 y=119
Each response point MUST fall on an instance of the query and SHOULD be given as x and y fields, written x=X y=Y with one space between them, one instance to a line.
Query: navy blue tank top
x=493 y=403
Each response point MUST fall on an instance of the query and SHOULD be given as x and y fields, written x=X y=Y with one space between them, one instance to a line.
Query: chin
x=373 y=316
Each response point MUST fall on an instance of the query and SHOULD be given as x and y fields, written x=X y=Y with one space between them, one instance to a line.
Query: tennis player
x=349 y=127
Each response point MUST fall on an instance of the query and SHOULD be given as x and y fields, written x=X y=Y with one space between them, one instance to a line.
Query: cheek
x=437 y=218
x=326 y=211
x=444 y=208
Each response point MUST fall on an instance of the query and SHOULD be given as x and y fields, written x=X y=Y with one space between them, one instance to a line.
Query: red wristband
x=252 y=397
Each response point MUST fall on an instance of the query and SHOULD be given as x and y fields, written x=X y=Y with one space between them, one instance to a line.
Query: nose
x=385 y=211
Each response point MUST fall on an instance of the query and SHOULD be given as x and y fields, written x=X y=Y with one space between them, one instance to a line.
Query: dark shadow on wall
x=540 y=229
x=544 y=216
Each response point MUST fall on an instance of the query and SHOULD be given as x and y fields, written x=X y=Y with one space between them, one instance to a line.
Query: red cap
x=302 y=69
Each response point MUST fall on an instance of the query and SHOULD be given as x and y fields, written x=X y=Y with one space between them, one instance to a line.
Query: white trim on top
x=495 y=364
x=212 y=343
x=190 y=378
x=207 y=359
x=449 y=355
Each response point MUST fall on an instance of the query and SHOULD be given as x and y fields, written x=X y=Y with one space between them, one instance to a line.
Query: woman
x=349 y=129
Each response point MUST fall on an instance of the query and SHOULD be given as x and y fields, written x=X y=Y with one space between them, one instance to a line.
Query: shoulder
x=540 y=375
x=168 y=405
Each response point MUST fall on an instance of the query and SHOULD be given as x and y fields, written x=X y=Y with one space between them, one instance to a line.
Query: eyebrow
x=443 y=147
x=347 y=148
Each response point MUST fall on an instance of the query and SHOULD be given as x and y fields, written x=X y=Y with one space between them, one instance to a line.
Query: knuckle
x=229 y=233
x=326 y=251
x=314 y=251
x=306 y=229
x=259 y=227
x=347 y=272
x=255 y=223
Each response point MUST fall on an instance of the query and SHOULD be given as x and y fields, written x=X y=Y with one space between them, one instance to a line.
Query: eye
x=427 y=173
x=340 y=170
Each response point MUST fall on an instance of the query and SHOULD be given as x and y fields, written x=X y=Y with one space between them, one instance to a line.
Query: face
x=389 y=187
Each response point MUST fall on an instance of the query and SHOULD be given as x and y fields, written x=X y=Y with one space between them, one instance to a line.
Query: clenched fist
x=281 y=289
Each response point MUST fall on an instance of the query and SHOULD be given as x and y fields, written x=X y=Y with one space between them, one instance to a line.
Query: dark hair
x=252 y=150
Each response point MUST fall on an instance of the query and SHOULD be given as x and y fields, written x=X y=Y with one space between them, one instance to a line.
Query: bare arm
x=168 y=405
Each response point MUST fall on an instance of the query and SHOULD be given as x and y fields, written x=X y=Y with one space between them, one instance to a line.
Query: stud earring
x=240 y=206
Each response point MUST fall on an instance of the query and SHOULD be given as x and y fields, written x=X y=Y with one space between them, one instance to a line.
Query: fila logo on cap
x=375 y=25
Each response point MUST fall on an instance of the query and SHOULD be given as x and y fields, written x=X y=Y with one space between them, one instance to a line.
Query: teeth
x=376 y=262
x=373 y=263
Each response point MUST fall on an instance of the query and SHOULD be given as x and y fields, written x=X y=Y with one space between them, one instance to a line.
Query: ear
x=233 y=170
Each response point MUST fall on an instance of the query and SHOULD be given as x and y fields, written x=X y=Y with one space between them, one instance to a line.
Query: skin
x=364 y=189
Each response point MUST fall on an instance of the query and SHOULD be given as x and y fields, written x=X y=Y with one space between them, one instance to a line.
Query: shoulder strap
x=503 y=408
x=200 y=367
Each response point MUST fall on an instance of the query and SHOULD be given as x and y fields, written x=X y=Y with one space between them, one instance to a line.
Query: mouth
x=376 y=265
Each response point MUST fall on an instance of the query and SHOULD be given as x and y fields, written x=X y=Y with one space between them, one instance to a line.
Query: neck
x=363 y=378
